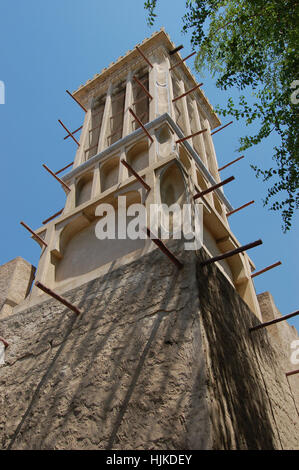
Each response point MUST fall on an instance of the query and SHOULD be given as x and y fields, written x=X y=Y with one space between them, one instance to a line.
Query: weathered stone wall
x=159 y=359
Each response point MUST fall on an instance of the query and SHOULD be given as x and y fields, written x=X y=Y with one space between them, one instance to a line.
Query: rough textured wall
x=251 y=403
x=159 y=359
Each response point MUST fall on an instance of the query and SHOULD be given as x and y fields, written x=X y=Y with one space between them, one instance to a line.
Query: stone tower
x=159 y=358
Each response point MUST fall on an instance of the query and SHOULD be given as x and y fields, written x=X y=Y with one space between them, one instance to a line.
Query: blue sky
x=48 y=47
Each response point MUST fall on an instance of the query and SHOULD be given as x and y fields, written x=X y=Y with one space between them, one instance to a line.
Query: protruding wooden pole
x=142 y=55
x=272 y=322
x=52 y=217
x=189 y=136
x=6 y=344
x=176 y=49
x=292 y=372
x=187 y=92
x=34 y=234
x=266 y=269
x=163 y=248
x=64 y=168
x=228 y=254
x=143 y=87
x=212 y=188
x=58 y=297
x=75 y=99
x=141 y=180
x=239 y=208
x=223 y=127
x=56 y=177
x=141 y=125
x=231 y=163
x=182 y=60
x=69 y=133
x=77 y=130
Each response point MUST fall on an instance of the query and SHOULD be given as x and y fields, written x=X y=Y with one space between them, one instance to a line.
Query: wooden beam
x=142 y=55
x=64 y=168
x=141 y=180
x=56 y=177
x=58 y=297
x=212 y=188
x=176 y=49
x=230 y=163
x=182 y=60
x=6 y=344
x=77 y=130
x=37 y=237
x=143 y=87
x=266 y=269
x=228 y=254
x=223 y=127
x=189 y=136
x=187 y=92
x=239 y=208
x=292 y=372
x=75 y=99
x=52 y=217
x=141 y=125
x=276 y=320
x=69 y=133
x=165 y=250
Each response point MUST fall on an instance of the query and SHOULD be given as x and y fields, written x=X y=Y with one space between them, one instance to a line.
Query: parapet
x=16 y=279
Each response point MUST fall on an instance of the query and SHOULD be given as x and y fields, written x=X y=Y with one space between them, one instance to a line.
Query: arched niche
x=201 y=181
x=109 y=173
x=137 y=156
x=184 y=158
x=83 y=189
x=164 y=139
x=173 y=190
x=82 y=252
x=217 y=205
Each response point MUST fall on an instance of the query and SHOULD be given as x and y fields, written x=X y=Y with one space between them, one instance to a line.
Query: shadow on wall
x=241 y=412
x=130 y=372
x=107 y=381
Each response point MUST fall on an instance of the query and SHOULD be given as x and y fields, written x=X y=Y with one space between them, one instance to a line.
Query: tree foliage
x=251 y=45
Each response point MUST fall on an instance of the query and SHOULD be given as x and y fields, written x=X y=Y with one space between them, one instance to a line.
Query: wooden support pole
x=228 y=254
x=182 y=60
x=176 y=49
x=189 y=136
x=77 y=130
x=212 y=188
x=64 y=168
x=142 y=55
x=4 y=342
x=56 y=177
x=239 y=208
x=58 y=297
x=141 y=125
x=277 y=320
x=143 y=87
x=75 y=99
x=223 y=127
x=69 y=133
x=292 y=372
x=266 y=269
x=33 y=233
x=52 y=217
x=165 y=250
x=141 y=180
x=230 y=163
x=187 y=92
